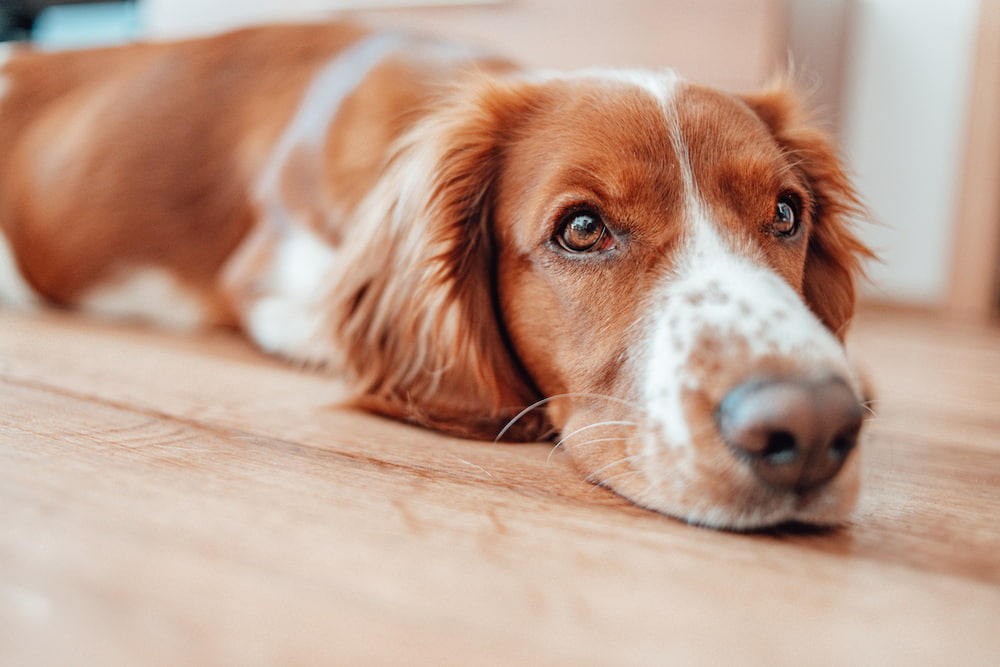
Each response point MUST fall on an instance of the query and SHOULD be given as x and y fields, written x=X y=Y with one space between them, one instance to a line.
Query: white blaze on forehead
x=660 y=84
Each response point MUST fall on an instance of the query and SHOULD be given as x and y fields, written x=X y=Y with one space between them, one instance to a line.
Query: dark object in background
x=17 y=17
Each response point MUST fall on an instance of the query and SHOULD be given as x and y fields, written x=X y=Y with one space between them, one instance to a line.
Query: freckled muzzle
x=754 y=409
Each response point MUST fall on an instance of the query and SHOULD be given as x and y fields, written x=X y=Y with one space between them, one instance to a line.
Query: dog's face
x=667 y=267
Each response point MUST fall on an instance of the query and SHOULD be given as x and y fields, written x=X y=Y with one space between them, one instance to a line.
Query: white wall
x=905 y=108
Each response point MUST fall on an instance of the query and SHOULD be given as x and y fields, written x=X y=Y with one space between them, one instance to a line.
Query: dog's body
x=667 y=268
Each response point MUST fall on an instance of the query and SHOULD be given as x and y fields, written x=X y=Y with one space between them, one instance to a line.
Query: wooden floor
x=175 y=501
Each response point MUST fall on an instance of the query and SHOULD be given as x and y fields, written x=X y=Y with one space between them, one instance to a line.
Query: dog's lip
x=803 y=500
x=762 y=508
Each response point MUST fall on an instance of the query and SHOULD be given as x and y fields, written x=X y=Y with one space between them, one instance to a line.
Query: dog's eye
x=786 y=217
x=582 y=231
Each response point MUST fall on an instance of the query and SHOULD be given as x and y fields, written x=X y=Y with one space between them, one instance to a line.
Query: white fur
x=716 y=293
x=661 y=84
x=722 y=293
x=286 y=316
x=672 y=464
x=289 y=317
x=147 y=295
x=6 y=52
x=746 y=312
x=14 y=290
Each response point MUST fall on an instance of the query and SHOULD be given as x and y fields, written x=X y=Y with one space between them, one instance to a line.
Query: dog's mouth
x=773 y=451
x=735 y=501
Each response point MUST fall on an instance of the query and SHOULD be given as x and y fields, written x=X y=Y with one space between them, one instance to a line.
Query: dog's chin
x=740 y=503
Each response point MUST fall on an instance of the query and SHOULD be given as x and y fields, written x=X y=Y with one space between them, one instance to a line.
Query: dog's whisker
x=593 y=477
x=593 y=426
x=537 y=404
x=579 y=445
x=605 y=483
x=587 y=443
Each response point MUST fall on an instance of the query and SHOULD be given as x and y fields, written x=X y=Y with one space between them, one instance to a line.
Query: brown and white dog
x=657 y=271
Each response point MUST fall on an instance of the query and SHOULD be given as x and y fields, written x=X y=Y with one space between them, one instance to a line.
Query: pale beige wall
x=735 y=43
x=818 y=37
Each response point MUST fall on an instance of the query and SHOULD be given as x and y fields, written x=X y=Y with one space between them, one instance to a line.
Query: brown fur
x=835 y=256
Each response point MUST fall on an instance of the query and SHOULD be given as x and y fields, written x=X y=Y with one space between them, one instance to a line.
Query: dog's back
x=103 y=147
x=149 y=164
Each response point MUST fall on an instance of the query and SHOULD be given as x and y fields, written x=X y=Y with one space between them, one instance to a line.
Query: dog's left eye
x=582 y=231
x=786 y=217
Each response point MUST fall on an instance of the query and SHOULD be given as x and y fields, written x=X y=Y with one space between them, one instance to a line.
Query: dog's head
x=667 y=269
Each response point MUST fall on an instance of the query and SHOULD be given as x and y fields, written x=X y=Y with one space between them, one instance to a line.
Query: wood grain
x=170 y=500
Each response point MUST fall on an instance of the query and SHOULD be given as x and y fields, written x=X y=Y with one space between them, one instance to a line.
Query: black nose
x=795 y=434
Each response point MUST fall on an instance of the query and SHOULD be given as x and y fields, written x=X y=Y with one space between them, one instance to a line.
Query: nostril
x=793 y=434
x=781 y=448
x=845 y=442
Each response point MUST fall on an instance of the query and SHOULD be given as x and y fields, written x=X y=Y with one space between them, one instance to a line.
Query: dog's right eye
x=786 y=221
x=583 y=231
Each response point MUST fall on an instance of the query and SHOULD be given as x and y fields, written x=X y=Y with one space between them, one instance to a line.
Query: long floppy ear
x=417 y=306
x=835 y=254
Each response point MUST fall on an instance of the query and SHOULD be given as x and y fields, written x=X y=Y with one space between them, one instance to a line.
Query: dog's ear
x=835 y=254
x=417 y=306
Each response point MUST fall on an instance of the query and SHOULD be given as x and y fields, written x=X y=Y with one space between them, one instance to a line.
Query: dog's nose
x=795 y=434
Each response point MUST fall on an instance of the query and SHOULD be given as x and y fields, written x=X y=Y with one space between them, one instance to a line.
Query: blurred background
x=911 y=88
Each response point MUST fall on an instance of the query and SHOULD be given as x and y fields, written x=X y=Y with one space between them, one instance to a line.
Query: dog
x=657 y=273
